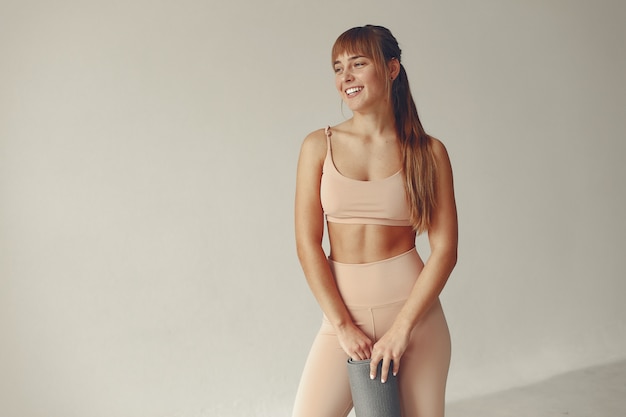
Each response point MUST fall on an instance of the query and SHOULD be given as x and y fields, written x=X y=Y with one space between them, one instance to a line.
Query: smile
x=353 y=90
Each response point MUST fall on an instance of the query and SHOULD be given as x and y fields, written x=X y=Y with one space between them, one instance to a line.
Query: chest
x=366 y=161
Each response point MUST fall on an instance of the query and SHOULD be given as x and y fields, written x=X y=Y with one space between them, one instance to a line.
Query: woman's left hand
x=389 y=348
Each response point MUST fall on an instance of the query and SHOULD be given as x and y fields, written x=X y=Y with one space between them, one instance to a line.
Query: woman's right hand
x=354 y=342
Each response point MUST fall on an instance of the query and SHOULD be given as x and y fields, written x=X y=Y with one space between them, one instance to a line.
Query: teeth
x=353 y=90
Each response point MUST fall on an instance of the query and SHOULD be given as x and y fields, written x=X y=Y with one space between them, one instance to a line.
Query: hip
x=383 y=282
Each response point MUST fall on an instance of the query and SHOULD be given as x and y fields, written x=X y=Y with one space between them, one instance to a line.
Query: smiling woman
x=352 y=73
x=378 y=180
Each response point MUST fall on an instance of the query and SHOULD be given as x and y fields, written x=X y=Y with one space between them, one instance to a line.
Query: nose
x=347 y=75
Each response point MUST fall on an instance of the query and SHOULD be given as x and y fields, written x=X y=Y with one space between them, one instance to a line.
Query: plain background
x=147 y=166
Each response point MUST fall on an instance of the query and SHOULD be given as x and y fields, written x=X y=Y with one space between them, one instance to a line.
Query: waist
x=363 y=243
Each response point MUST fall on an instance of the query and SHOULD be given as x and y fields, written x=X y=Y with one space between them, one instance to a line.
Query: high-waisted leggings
x=374 y=294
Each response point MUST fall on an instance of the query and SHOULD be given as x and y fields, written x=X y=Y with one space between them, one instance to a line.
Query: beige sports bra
x=350 y=201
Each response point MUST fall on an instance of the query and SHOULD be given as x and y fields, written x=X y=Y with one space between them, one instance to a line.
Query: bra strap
x=328 y=135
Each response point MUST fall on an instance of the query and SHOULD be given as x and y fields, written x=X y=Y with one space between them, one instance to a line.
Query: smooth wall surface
x=147 y=162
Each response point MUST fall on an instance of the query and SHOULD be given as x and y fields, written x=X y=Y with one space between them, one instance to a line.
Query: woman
x=379 y=180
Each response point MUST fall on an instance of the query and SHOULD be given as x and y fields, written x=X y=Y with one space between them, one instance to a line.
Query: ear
x=394 y=68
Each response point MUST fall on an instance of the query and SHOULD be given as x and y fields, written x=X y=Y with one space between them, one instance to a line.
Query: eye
x=337 y=70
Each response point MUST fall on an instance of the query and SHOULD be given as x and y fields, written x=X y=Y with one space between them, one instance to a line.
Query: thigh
x=324 y=389
x=424 y=367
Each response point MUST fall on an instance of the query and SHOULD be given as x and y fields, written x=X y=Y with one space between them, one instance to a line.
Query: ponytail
x=418 y=160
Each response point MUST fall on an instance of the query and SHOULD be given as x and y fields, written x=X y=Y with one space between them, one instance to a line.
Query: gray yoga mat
x=371 y=397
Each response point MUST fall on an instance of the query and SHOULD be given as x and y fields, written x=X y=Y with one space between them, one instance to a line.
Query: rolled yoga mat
x=372 y=398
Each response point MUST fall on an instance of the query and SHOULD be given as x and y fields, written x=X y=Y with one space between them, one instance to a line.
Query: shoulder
x=439 y=150
x=437 y=146
x=443 y=166
x=314 y=146
x=315 y=139
x=316 y=142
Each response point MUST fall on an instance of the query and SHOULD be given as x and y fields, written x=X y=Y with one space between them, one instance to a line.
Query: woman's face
x=358 y=82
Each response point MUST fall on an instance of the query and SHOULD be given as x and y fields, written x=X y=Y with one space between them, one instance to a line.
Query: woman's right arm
x=309 y=226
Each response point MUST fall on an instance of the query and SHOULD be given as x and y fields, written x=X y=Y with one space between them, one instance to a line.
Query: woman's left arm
x=443 y=240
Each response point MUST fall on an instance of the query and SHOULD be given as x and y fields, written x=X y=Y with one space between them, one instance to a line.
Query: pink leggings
x=374 y=294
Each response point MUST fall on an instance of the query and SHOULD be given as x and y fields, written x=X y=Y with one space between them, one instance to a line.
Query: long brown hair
x=418 y=161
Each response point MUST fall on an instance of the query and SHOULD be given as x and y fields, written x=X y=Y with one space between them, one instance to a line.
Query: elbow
x=304 y=249
x=451 y=255
x=453 y=258
x=447 y=257
x=300 y=251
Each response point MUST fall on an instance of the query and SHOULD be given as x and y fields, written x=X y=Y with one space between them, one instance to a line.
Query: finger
x=384 y=372
x=396 y=366
x=365 y=353
x=368 y=354
x=362 y=355
x=373 y=367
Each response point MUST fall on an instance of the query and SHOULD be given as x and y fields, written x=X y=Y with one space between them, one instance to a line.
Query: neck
x=376 y=123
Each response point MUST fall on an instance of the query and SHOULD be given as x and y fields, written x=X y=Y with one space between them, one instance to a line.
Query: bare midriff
x=364 y=243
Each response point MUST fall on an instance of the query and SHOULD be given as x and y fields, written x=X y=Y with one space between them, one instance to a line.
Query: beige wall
x=147 y=157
